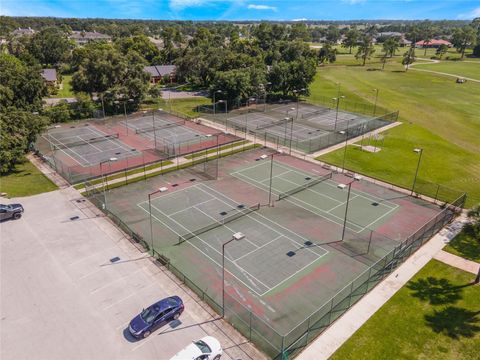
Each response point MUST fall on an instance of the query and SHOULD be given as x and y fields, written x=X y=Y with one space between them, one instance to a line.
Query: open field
x=434 y=316
x=466 y=69
x=184 y=106
x=447 y=127
x=25 y=180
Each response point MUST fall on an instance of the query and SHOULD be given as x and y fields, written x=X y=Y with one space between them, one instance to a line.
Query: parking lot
x=63 y=298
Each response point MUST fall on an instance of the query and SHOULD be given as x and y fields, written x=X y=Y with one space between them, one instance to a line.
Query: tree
x=365 y=49
x=351 y=39
x=414 y=35
x=426 y=34
x=327 y=54
x=333 y=34
x=441 y=50
x=19 y=130
x=463 y=38
x=139 y=43
x=50 y=46
x=234 y=84
x=287 y=77
x=408 y=58
x=21 y=86
x=390 y=46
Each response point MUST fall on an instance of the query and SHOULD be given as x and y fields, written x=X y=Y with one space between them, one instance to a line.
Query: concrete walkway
x=457 y=261
x=338 y=333
x=432 y=62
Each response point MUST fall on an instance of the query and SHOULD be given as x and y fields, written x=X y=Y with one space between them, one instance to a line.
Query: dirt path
x=432 y=61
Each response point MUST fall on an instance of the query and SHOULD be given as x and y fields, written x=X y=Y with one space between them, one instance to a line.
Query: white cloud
x=182 y=4
x=354 y=2
x=302 y=19
x=261 y=7
x=470 y=15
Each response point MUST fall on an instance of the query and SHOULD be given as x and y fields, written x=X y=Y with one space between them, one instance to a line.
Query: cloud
x=261 y=7
x=302 y=19
x=354 y=2
x=470 y=15
x=182 y=4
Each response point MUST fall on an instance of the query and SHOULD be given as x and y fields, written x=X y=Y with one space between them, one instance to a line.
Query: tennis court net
x=272 y=124
x=165 y=126
x=305 y=186
x=238 y=214
x=66 y=145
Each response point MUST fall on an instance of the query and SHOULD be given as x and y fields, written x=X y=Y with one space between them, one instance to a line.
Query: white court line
x=200 y=251
x=252 y=182
x=259 y=247
x=271 y=221
x=341 y=204
x=190 y=207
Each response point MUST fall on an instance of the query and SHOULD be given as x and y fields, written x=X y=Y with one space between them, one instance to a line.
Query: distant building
x=158 y=72
x=404 y=42
x=50 y=76
x=388 y=34
x=84 y=37
x=23 y=32
x=433 y=43
x=157 y=42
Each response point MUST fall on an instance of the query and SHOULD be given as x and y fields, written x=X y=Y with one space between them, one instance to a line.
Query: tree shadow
x=454 y=322
x=436 y=291
x=466 y=244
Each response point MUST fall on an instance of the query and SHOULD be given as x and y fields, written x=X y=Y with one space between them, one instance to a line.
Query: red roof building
x=433 y=43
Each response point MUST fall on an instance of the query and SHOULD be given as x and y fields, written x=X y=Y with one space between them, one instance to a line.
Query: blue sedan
x=155 y=316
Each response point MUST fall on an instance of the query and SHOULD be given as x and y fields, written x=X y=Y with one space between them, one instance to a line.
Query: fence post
x=250 y=326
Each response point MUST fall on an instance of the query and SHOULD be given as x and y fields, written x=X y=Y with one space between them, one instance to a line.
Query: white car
x=207 y=348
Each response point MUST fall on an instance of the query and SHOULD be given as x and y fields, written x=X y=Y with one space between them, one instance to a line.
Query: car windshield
x=204 y=348
x=172 y=302
x=148 y=315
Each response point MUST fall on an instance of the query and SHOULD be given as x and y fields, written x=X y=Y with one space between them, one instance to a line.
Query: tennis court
x=262 y=261
x=318 y=194
x=88 y=146
x=164 y=129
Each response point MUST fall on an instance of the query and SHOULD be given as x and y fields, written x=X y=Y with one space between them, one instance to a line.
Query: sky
x=246 y=9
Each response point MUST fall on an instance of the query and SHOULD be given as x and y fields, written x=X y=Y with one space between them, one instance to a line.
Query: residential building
x=50 y=76
x=23 y=32
x=84 y=37
x=159 y=72
x=433 y=43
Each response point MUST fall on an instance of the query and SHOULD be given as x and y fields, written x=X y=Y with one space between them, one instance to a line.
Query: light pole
x=154 y=130
x=226 y=111
x=338 y=89
x=271 y=176
x=265 y=95
x=297 y=95
x=337 y=99
x=375 y=104
x=150 y=213
x=346 y=208
x=104 y=179
x=237 y=236
x=345 y=148
x=214 y=103
x=418 y=151
x=125 y=111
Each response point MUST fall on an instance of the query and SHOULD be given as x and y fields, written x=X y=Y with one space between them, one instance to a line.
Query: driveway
x=63 y=298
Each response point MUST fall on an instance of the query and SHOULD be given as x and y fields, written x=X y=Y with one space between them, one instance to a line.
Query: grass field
x=465 y=245
x=66 y=91
x=445 y=115
x=26 y=180
x=184 y=106
x=434 y=316
x=466 y=69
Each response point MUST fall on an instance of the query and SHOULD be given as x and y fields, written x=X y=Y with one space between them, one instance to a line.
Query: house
x=404 y=42
x=158 y=72
x=50 y=76
x=84 y=37
x=433 y=43
x=23 y=32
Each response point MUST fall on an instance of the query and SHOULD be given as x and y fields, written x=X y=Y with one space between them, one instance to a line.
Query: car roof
x=163 y=304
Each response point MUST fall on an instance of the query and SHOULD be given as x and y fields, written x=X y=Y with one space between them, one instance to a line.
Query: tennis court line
x=200 y=251
x=192 y=206
x=258 y=247
x=208 y=245
x=249 y=180
x=63 y=151
x=273 y=222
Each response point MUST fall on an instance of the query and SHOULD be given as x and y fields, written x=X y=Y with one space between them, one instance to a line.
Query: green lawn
x=458 y=68
x=185 y=106
x=66 y=91
x=436 y=315
x=444 y=115
x=465 y=245
x=26 y=180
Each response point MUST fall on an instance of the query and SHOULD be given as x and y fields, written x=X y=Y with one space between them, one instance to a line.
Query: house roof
x=434 y=42
x=160 y=70
x=23 y=31
x=79 y=35
x=49 y=74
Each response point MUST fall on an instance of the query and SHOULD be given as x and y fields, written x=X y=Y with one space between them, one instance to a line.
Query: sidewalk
x=457 y=261
x=340 y=331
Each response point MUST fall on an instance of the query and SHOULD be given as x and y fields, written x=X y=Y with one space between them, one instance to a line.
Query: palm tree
x=365 y=49
x=390 y=46
x=408 y=58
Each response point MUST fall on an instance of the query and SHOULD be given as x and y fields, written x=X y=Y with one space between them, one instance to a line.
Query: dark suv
x=12 y=211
